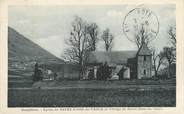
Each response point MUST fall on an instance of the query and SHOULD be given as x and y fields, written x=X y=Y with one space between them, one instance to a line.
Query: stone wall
x=144 y=66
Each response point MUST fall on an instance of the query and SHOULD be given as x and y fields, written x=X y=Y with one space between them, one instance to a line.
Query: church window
x=144 y=72
x=144 y=58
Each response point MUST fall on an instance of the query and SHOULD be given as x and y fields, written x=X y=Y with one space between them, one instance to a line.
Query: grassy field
x=82 y=97
x=147 y=84
x=125 y=93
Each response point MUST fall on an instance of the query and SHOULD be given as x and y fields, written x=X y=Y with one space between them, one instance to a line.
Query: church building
x=138 y=64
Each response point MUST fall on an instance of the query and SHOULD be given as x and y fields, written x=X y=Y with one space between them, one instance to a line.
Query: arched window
x=144 y=58
x=144 y=72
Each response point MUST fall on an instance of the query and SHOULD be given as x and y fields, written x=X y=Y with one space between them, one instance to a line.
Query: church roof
x=114 y=57
x=144 y=50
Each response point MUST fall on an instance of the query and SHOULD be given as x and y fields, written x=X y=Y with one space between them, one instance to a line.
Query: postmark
x=141 y=18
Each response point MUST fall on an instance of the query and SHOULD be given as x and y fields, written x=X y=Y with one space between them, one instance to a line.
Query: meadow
x=94 y=94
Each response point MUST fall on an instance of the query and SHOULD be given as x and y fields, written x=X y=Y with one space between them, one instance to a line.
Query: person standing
x=37 y=73
x=121 y=73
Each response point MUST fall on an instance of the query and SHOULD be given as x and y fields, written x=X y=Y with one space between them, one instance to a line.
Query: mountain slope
x=19 y=46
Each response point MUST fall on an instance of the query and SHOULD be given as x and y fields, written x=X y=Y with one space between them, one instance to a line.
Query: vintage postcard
x=91 y=56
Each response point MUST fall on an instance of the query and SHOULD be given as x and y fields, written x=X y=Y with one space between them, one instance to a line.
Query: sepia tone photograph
x=92 y=56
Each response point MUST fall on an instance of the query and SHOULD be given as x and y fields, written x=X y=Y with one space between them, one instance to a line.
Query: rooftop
x=114 y=57
x=144 y=50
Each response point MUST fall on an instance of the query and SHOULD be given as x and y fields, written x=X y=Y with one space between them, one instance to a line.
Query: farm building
x=137 y=64
x=63 y=70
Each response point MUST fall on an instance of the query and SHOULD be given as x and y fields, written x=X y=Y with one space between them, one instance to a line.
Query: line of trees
x=170 y=51
x=83 y=39
x=167 y=56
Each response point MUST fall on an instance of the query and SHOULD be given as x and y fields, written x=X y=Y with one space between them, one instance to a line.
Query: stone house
x=63 y=70
x=138 y=64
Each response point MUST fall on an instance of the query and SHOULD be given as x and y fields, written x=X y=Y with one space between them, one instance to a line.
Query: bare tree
x=170 y=52
x=158 y=59
x=169 y=55
x=172 y=36
x=93 y=33
x=142 y=35
x=78 y=44
x=107 y=37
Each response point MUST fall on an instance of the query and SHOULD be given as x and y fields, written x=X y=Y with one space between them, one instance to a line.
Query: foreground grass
x=167 y=84
x=90 y=98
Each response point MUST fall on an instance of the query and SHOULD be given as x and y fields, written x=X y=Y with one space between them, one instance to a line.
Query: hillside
x=22 y=55
x=20 y=47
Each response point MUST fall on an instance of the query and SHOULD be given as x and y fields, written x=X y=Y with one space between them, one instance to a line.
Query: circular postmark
x=140 y=21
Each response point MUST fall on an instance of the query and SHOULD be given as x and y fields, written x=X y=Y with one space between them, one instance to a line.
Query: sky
x=48 y=26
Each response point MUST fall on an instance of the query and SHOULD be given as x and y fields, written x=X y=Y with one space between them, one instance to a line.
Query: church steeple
x=143 y=58
x=143 y=50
